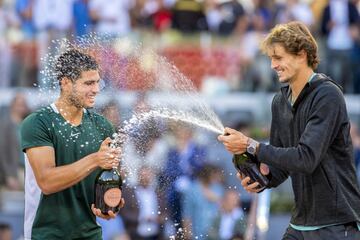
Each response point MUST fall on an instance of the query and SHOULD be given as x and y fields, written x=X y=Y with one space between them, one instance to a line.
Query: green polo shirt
x=66 y=214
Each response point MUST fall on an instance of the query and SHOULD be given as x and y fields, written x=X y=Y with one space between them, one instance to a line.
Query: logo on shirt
x=74 y=135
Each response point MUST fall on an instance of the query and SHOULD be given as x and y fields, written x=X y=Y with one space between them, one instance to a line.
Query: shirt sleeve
x=35 y=133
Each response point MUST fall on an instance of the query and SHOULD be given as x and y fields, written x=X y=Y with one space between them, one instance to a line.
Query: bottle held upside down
x=249 y=166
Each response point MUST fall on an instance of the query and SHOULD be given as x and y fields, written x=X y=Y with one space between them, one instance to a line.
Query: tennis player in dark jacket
x=309 y=141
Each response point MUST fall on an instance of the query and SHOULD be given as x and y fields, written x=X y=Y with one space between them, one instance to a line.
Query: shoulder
x=100 y=122
x=98 y=118
x=40 y=116
x=329 y=90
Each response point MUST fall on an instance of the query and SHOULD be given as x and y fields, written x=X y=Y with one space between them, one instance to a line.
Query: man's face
x=286 y=65
x=84 y=90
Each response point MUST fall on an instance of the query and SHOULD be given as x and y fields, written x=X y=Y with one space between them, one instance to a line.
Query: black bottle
x=108 y=186
x=249 y=166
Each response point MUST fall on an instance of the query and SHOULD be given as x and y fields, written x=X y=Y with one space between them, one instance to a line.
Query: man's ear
x=302 y=54
x=65 y=82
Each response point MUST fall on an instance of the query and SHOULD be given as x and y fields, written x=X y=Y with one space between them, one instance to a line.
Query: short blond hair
x=294 y=37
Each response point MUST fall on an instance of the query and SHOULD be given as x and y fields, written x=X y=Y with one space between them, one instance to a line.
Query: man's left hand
x=97 y=212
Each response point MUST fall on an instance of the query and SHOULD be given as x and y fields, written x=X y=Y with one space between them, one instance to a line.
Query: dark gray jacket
x=310 y=141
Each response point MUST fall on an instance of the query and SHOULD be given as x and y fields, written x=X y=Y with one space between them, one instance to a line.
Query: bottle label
x=112 y=197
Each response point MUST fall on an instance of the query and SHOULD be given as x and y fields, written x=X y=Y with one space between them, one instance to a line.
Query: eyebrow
x=93 y=80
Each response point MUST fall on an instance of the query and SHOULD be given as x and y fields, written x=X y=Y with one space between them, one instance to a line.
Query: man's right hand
x=107 y=156
x=252 y=187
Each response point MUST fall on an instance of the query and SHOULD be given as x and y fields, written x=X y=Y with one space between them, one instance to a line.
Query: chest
x=291 y=122
x=72 y=143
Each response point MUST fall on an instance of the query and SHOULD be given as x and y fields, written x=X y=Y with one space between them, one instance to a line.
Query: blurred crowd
x=28 y=27
x=176 y=182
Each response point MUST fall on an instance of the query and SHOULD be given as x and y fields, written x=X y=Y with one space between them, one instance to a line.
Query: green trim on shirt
x=310 y=79
x=312 y=228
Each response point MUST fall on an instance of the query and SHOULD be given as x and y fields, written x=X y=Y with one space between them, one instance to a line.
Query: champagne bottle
x=108 y=184
x=249 y=166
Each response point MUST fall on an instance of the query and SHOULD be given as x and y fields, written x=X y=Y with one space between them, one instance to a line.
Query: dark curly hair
x=72 y=63
x=294 y=37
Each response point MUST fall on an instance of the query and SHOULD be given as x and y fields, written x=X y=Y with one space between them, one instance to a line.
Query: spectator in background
x=145 y=213
x=153 y=14
x=24 y=9
x=257 y=73
x=200 y=201
x=111 y=18
x=11 y=157
x=81 y=15
x=184 y=159
x=145 y=144
x=230 y=221
x=340 y=18
x=5 y=232
x=162 y=18
x=294 y=10
x=52 y=20
x=264 y=8
x=225 y=16
x=355 y=56
x=188 y=16
x=111 y=111
x=8 y=21
x=25 y=54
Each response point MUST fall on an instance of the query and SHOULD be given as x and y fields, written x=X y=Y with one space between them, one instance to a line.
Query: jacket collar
x=318 y=79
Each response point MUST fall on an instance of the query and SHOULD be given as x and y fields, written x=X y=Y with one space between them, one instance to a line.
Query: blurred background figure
x=201 y=202
x=82 y=20
x=111 y=19
x=340 y=18
x=5 y=232
x=8 y=21
x=49 y=26
x=144 y=217
x=188 y=16
x=185 y=158
x=11 y=157
x=111 y=111
x=25 y=52
x=230 y=221
x=153 y=14
x=225 y=16
x=145 y=145
x=295 y=10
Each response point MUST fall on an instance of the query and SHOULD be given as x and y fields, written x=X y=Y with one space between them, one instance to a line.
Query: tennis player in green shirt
x=66 y=145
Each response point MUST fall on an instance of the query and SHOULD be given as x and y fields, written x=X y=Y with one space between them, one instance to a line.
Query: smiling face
x=286 y=65
x=81 y=93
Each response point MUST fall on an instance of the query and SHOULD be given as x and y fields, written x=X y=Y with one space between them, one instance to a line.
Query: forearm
x=300 y=159
x=58 y=178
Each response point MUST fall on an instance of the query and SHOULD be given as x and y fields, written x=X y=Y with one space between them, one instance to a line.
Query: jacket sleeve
x=277 y=176
x=322 y=125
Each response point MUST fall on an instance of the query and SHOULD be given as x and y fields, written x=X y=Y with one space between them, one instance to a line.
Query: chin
x=283 y=80
x=89 y=105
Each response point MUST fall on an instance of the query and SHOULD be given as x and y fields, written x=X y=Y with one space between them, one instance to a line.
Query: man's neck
x=299 y=82
x=69 y=112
